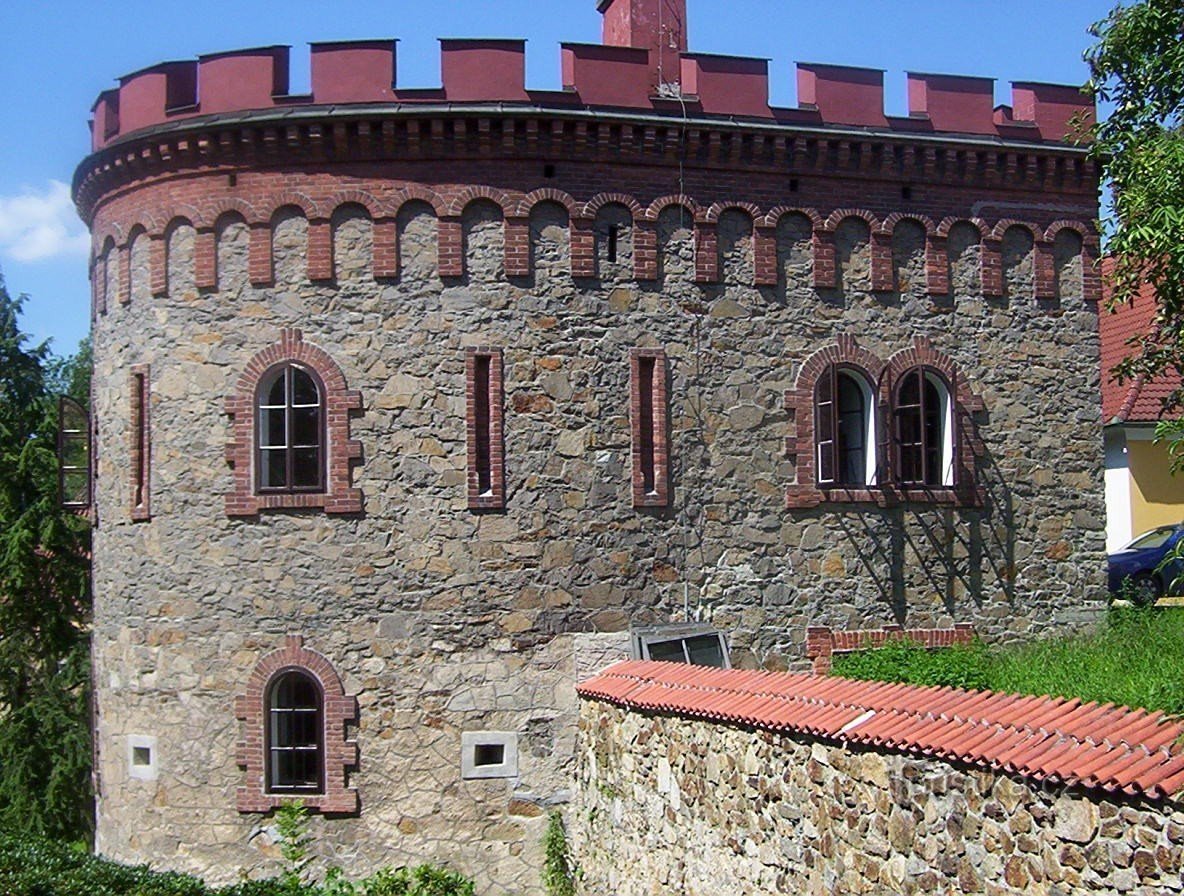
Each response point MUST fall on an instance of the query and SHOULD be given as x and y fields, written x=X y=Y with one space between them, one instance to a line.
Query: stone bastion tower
x=412 y=406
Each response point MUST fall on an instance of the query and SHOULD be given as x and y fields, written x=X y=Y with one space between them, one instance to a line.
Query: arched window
x=291 y=431
x=844 y=428
x=295 y=735
x=295 y=713
x=924 y=432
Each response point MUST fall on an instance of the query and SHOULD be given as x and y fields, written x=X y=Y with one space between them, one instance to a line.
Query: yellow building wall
x=1157 y=497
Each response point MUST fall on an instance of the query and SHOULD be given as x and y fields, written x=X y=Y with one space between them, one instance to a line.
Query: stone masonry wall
x=441 y=620
x=669 y=805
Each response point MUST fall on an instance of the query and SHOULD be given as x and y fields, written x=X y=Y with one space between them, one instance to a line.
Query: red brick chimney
x=659 y=26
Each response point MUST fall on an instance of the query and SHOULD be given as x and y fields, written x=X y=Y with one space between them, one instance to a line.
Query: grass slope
x=1135 y=658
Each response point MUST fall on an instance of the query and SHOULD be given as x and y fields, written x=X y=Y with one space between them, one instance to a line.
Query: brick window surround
x=140 y=449
x=649 y=426
x=338 y=709
x=341 y=452
x=484 y=428
x=801 y=447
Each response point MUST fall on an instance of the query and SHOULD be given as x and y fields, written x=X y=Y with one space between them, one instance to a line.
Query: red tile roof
x=1103 y=747
x=1139 y=400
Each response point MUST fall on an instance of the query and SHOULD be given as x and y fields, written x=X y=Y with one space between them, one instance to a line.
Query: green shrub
x=1135 y=658
x=31 y=866
x=559 y=872
x=961 y=666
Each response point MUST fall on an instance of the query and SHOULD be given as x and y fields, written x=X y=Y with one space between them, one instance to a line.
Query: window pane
x=306 y=427
x=303 y=729
x=276 y=392
x=667 y=651
x=852 y=435
x=302 y=693
x=75 y=487
x=910 y=388
x=306 y=467
x=704 y=650
x=304 y=389
x=272 y=471
x=272 y=428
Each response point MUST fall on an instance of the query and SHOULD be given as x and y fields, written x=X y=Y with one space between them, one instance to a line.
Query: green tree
x=45 y=750
x=1137 y=65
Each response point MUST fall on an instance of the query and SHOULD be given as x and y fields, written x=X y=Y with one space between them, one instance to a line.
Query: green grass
x=1135 y=658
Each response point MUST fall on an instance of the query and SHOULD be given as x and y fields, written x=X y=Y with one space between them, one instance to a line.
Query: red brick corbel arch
x=799 y=402
x=943 y=229
x=888 y=225
x=466 y=197
x=655 y=209
x=340 y=451
x=839 y=215
x=416 y=193
x=526 y=205
x=967 y=444
x=599 y=201
x=774 y=216
x=338 y=708
x=711 y=215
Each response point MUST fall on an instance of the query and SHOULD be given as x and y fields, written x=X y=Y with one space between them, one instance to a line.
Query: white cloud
x=41 y=225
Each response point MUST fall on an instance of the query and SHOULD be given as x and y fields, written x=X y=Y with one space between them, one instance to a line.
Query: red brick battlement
x=642 y=66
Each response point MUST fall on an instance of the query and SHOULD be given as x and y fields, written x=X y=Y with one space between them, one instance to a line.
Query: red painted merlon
x=843 y=94
x=361 y=71
x=143 y=95
x=954 y=103
x=242 y=79
x=727 y=85
x=1053 y=108
x=477 y=70
x=608 y=76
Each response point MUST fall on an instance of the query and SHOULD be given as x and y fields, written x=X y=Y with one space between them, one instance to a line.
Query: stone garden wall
x=672 y=805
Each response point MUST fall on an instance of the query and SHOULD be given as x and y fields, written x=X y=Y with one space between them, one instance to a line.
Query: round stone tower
x=414 y=406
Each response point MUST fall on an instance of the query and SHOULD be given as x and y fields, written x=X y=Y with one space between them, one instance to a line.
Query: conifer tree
x=45 y=751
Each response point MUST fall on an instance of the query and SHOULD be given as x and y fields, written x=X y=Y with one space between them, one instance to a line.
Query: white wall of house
x=1118 y=490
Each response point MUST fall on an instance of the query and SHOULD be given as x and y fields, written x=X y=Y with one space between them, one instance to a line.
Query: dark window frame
x=831 y=445
x=266 y=382
x=68 y=406
x=923 y=448
x=270 y=748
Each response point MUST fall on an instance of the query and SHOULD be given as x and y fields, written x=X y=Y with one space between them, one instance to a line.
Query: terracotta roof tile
x=1098 y=746
x=1134 y=401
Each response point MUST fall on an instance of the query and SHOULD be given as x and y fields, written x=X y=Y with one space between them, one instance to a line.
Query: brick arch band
x=384 y=208
x=338 y=708
x=341 y=452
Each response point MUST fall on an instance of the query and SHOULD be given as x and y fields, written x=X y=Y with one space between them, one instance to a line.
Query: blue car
x=1138 y=571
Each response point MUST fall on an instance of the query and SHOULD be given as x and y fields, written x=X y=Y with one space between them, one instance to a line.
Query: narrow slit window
x=481 y=413
x=140 y=462
x=486 y=474
x=614 y=232
x=648 y=413
x=645 y=414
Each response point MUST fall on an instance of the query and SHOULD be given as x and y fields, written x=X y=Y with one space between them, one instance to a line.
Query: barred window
x=295 y=735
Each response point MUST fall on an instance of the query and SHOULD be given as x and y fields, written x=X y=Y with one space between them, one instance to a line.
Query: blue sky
x=58 y=56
